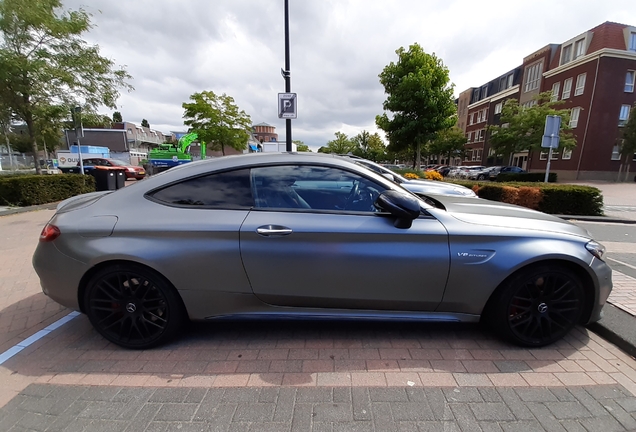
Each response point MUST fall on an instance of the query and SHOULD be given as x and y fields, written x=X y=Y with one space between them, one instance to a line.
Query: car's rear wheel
x=133 y=307
x=539 y=305
x=481 y=177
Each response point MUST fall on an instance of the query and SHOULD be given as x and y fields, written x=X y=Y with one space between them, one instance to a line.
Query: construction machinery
x=169 y=155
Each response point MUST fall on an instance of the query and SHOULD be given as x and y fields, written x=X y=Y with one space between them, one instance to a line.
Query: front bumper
x=603 y=274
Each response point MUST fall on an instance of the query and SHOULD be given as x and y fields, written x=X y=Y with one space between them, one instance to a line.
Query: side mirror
x=403 y=207
x=389 y=176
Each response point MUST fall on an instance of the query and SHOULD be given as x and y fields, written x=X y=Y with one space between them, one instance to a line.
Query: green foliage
x=526 y=177
x=144 y=123
x=35 y=189
x=369 y=146
x=95 y=120
x=301 y=146
x=419 y=100
x=628 y=142
x=341 y=145
x=45 y=63
x=217 y=121
x=117 y=117
x=449 y=143
x=521 y=128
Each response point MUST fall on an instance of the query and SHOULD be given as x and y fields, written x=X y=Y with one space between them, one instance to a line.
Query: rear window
x=226 y=190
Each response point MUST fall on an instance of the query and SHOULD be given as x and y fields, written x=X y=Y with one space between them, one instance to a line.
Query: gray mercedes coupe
x=312 y=236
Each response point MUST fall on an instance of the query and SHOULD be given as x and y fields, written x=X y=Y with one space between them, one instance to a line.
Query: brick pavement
x=291 y=358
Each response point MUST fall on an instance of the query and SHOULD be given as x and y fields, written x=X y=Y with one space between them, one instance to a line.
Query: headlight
x=596 y=249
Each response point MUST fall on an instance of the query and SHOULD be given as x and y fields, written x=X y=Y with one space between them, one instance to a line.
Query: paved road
x=278 y=376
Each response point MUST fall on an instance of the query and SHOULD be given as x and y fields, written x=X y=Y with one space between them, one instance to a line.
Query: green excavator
x=169 y=155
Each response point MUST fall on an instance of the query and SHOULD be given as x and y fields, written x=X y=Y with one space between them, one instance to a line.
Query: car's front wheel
x=133 y=306
x=539 y=305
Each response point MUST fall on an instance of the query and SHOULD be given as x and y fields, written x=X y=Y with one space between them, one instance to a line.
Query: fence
x=16 y=162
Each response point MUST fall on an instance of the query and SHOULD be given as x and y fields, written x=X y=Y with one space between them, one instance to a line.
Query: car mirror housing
x=403 y=207
x=389 y=176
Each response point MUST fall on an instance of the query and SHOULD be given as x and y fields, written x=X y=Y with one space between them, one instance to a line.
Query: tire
x=133 y=307
x=538 y=306
x=481 y=177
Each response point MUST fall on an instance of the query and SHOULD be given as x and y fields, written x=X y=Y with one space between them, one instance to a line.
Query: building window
x=632 y=41
x=567 y=88
x=555 y=155
x=556 y=87
x=616 y=153
x=502 y=84
x=580 y=85
x=624 y=115
x=566 y=54
x=479 y=154
x=471 y=118
x=574 y=117
x=511 y=78
x=475 y=95
x=567 y=154
x=482 y=134
x=498 y=108
x=533 y=76
x=579 y=48
x=484 y=91
x=469 y=136
x=629 y=81
x=543 y=155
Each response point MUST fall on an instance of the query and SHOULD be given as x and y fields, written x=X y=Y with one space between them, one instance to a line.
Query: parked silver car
x=307 y=235
x=419 y=187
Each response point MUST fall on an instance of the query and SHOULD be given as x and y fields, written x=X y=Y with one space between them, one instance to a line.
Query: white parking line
x=37 y=336
x=622 y=263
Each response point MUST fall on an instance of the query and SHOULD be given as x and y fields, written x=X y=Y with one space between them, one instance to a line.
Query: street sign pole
x=287 y=76
x=550 y=138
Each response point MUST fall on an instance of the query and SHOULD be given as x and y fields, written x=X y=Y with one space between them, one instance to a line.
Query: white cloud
x=338 y=48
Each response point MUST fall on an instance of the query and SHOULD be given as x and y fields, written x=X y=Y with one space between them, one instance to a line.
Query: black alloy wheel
x=133 y=307
x=539 y=306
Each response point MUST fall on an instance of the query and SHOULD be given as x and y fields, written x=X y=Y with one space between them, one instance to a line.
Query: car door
x=328 y=247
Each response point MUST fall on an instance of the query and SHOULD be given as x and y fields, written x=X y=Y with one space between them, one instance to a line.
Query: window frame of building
x=533 y=76
x=566 y=154
x=623 y=115
x=469 y=136
x=630 y=78
x=479 y=151
x=566 y=54
x=580 y=84
x=543 y=155
x=502 y=83
x=511 y=79
x=556 y=88
x=498 y=108
x=575 y=113
x=579 y=49
x=471 y=118
x=616 y=153
x=632 y=41
x=484 y=91
x=482 y=134
x=567 y=88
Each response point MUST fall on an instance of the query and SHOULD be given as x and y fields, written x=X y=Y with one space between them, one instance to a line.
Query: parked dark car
x=506 y=170
x=131 y=171
x=482 y=174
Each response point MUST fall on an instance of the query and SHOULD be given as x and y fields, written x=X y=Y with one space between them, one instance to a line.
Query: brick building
x=593 y=73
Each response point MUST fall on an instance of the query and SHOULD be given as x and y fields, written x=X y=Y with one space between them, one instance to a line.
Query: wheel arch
x=586 y=279
x=83 y=284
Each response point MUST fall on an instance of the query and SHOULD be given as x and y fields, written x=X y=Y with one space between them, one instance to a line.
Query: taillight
x=49 y=233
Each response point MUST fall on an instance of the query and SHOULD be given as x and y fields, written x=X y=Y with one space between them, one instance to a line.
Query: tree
x=628 y=144
x=341 y=145
x=420 y=100
x=144 y=123
x=45 y=62
x=369 y=146
x=449 y=143
x=521 y=128
x=117 y=117
x=95 y=120
x=301 y=146
x=217 y=121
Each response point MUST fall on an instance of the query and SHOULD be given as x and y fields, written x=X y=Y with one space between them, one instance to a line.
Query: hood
x=437 y=187
x=493 y=213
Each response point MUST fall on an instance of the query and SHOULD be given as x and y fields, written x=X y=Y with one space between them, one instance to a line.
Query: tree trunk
x=34 y=145
x=620 y=169
x=223 y=149
x=418 y=155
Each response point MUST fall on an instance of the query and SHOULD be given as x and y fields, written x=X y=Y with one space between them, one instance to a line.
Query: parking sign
x=287 y=105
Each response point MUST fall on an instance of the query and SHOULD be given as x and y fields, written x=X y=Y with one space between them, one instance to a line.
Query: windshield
x=118 y=162
x=397 y=178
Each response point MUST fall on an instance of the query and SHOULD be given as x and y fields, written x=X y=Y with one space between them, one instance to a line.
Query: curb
x=616 y=327
x=49 y=206
x=597 y=219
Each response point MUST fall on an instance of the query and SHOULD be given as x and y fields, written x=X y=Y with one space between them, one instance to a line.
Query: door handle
x=273 y=230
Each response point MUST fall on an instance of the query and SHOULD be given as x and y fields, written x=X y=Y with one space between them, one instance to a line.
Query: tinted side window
x=226 y=190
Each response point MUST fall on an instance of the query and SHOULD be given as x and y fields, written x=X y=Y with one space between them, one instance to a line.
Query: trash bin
x=105 y=178
x=120 y=177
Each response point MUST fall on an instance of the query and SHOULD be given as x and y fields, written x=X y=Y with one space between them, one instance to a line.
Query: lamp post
x=287 y=76
x=79 y=133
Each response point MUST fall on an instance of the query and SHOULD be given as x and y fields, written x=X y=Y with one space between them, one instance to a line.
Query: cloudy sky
x=174 y=48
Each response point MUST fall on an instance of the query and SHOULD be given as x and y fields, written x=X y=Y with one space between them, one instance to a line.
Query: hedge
x=526 y=177
x=41 y=189
x=546 y=197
